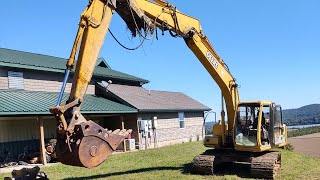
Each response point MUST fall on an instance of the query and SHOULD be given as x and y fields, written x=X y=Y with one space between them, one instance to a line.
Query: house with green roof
x=30 y=83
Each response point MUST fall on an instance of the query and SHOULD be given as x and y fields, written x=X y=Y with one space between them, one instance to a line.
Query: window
x=278 y=117
x=266 y=113
x=246 y=125
x=181 y=119
x=15 y=80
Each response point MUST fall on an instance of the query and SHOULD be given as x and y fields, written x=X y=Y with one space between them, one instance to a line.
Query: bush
x=288 y=147
x=304 y=131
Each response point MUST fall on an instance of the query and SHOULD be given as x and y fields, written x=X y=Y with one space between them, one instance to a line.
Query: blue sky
x=271 y=47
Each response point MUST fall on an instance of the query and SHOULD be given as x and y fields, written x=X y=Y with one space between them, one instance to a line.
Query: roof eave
x=173 y=110
x=26 y=67
x=21 y=66
x=5 y=114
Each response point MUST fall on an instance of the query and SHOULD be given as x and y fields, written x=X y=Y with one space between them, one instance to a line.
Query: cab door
x=276 y=126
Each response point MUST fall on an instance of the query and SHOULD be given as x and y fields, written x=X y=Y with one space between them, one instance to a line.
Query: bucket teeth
x=123 y=132
x=116 y=131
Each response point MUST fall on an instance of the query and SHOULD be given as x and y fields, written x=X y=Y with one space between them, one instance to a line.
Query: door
x=277 y=124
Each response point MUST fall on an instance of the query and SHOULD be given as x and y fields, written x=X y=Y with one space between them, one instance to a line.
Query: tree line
x=304 y=131
x=305 y=115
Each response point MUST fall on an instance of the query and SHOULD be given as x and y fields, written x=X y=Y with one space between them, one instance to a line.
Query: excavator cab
x=259 y=126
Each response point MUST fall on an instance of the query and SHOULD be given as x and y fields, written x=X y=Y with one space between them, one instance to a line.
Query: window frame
x=181 y=117
x=15 y=80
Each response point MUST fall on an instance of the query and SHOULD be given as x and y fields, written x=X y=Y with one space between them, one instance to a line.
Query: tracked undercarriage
x=262 y=165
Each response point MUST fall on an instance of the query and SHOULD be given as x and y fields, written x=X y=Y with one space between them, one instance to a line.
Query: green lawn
x=173 y=162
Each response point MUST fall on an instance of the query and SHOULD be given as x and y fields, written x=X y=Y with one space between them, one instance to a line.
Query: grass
x=173 y=162
x=304 y=131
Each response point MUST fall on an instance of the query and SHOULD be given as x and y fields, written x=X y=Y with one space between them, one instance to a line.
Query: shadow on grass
x=238 y=169
x=102 y=176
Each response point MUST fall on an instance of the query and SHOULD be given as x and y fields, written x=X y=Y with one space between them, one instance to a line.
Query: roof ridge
x=43 y=62
x=66 y=59
x=35 y=53
x=165 y=91
x=138 y=97
x=151 y=89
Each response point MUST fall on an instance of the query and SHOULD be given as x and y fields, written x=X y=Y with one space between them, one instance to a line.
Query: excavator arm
x=165 y=16
x=81 y=142
x=85 y=143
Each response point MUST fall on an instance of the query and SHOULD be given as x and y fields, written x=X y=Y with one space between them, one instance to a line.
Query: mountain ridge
x=308 y=114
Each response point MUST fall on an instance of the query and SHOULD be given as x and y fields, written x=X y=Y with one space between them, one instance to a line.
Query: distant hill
x=309 y=114
x=208 y=126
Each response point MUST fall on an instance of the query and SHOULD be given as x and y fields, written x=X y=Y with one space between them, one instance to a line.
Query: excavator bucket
x=89 y=145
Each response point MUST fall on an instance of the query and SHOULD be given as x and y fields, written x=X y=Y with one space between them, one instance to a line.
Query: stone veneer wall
x=168 y=131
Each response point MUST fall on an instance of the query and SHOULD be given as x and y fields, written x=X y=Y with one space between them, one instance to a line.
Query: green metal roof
x=38 y=103
x=102 y=62
x=26 y=60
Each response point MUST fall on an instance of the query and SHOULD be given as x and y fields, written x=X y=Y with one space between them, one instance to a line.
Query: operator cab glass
x=248 y=121
x=246 y=125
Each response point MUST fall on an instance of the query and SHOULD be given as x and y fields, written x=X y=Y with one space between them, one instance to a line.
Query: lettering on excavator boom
x=212 y=59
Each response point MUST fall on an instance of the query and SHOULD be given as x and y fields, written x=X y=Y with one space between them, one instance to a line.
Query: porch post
x=41 y=138
x=122 y=127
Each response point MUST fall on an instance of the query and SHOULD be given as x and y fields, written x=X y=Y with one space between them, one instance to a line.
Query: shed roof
x=150 y=100
x=38 y=103
x=27 y=60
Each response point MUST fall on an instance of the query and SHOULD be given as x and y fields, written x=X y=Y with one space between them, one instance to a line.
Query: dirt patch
x=307 y=144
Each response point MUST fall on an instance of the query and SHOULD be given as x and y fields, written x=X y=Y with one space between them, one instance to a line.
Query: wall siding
x=18 y=130
x=187 y=134
x=3 y=79
x=17 y=133
x=25 y=129
x=41 y=81
x=171 y=120
x=49 y=82
x=169 y=132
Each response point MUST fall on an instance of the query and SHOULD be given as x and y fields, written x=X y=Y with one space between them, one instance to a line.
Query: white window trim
x=184 y=120
x=15 y=80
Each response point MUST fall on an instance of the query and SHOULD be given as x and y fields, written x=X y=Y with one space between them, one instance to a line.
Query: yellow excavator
x=252 y=129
